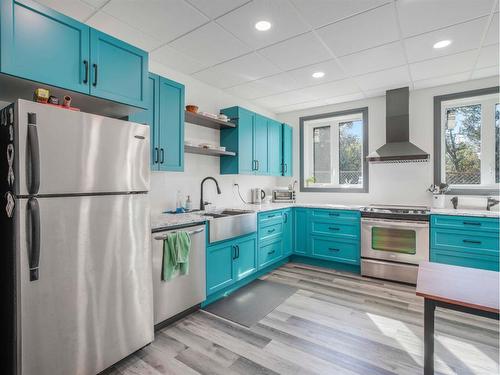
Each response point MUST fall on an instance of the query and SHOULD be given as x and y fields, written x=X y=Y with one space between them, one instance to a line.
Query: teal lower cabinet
x=300 y=231
x=465 y=241
x=230 y=261
x=288 y=216
x=271 y=234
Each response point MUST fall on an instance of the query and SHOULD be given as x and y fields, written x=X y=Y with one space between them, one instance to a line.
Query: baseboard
x=177 y=317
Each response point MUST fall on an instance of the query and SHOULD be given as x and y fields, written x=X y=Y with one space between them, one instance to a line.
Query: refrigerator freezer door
x=91 y=304
x=79 y=152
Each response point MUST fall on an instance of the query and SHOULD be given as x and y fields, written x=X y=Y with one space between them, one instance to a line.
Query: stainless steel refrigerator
x=75 y=260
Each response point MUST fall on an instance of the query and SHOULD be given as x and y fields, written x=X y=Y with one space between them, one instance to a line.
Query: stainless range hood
x=398 y=148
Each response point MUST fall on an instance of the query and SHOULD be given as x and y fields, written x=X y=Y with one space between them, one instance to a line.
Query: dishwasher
x=184 y=293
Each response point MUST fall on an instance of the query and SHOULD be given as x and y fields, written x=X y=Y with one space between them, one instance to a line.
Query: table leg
x=429 y=309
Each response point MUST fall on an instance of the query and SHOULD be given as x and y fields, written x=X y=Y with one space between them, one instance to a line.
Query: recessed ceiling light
x=263 y=25
x=442 y=44
x=318 y=74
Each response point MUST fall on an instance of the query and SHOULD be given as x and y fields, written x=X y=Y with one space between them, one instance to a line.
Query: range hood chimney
x=398 y=148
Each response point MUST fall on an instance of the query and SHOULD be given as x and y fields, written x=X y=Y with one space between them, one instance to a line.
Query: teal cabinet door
x=287 y=150
x=42 y=45
x=301 y=231
x=171 y=126
x=245 y=262
x=118 y=71
x=260 y=145
x=220 y=266
x=246 y=123
x=287 y=232
x=274 y=134
x=151 y=117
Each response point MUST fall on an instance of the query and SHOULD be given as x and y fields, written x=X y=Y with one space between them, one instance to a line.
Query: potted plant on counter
x=438 y=194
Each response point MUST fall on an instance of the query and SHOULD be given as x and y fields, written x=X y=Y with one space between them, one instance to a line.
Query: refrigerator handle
x=34 y=152
x=33 y=236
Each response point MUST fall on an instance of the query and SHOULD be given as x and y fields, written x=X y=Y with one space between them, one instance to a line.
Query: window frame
x=364 y=188
x=439 y=156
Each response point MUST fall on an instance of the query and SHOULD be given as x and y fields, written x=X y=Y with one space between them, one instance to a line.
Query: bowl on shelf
x=192 y=108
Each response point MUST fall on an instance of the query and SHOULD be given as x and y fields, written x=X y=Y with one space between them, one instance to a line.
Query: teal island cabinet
x=259 y=143
x=42 y=45
x=465 y=241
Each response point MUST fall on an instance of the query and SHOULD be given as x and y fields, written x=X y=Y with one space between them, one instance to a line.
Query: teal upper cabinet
x=45 y=46
x=118 y=70
x=260 y=140
x=274 y=142
x=165 y=115
x=42 y=45
x=287 y=166
x=171 y=129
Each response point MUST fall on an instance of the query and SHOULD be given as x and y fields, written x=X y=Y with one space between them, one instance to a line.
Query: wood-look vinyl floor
x=336 y=323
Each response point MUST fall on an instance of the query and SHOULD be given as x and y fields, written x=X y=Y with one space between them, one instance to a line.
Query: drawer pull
x=333 y=249
x=333 y=228
x=270 y=216
x=271 y=252
x=472 y=241
x=271 y=230
x=333 y=214
x=477 y=223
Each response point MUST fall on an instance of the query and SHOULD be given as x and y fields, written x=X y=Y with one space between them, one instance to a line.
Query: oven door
x=395 y=240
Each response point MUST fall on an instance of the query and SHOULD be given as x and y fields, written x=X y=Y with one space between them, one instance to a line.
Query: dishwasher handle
x=164 y=237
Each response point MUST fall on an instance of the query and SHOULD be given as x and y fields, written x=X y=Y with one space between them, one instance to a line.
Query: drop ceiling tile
x=169 y=56
x=331 y=68
x=95 y=3
x=464 y=36
x=300 y=106
x=488 y=56
x=439 y=81
x=216 y=8
x=166 y=20
x=72 y=8
x=492 y=34
x=345 y=98
x=418 y=17
x=385 y=79
x=332 y=89
x=237 y=71
x=486 y=72
x=442 y=66
x=112 y=26
x=299 y=51
x=373 y=59
x=360 y=32
x=322 y=12
x=287 y=98
x=265 y=87
x=210 y=44
x=284 y=20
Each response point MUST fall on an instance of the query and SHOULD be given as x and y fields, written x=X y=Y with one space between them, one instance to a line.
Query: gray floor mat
x=251 y=303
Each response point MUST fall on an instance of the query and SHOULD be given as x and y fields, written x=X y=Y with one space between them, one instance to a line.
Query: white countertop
x=169 y=221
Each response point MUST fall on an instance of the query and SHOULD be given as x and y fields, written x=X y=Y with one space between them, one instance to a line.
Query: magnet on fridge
x=11 y=116
x=9 y=208
x=11 y=132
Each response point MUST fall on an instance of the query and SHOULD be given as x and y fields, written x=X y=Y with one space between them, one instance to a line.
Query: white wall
x=164 y=185
x=388 y=183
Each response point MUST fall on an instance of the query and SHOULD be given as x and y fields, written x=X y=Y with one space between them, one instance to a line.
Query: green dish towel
x=176 y=248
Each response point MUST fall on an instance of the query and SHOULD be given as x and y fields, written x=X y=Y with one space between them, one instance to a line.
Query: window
x=467 y=134
x=333 y=151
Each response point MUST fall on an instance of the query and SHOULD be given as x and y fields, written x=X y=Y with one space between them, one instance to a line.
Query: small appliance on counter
x=258 y=195
x=283 y=195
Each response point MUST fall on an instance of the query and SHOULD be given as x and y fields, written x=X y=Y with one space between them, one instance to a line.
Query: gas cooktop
x=396 y=212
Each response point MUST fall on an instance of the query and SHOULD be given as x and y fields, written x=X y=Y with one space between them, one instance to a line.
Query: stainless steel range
x=394 y=239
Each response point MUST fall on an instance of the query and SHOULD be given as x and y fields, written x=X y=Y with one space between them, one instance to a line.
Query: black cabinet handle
x=472 y=241
x=234 y=252
x=162 y=152
x=257 y=165
x=270 y=216
x=86 y=79
x=95 y=75
x=477 y=223
x=286 y=168
x=33 y=228
x=271 y=252
x=333 y=249
x=333 y=214
x=34 y=155
x=271 y=230
x=333 y=228
x=155 y=155
x=285 y=217
x=238 y=250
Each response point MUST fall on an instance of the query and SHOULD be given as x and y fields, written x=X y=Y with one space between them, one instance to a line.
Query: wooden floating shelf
x=207 y=151
x=208 y=122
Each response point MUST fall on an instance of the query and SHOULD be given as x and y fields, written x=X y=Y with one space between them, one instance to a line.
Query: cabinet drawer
x=472 y=242
x=269 y=232
x=270 y=253
x=336 y=250
x=485 y=224
x=335 y=215
x=271 y=217
x=465 y=260
x=335 y=229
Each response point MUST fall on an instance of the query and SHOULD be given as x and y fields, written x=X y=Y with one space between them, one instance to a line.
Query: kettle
x=258 y=195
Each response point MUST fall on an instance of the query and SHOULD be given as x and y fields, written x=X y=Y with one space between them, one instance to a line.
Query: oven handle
x=395 y=223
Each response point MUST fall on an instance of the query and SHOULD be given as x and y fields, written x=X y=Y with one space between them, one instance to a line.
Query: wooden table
x=463 y=289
